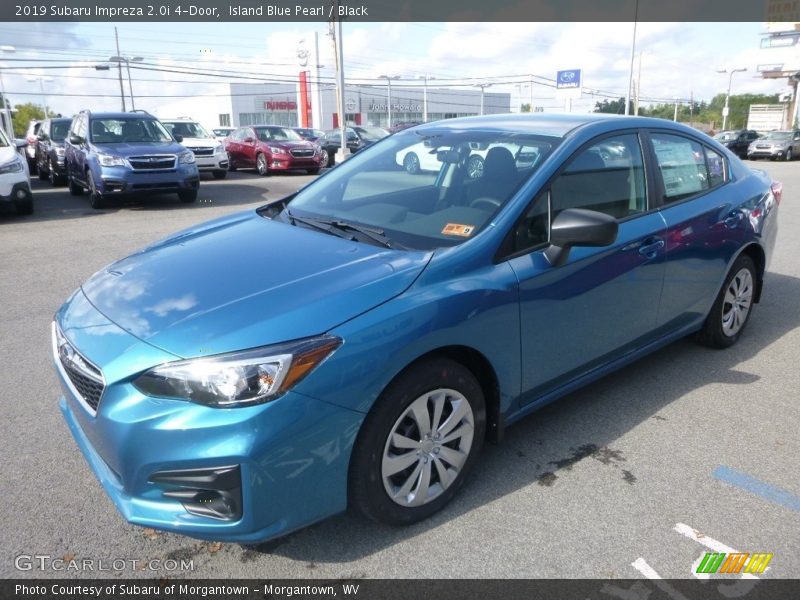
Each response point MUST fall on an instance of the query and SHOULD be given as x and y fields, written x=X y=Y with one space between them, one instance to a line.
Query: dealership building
x=298 y=105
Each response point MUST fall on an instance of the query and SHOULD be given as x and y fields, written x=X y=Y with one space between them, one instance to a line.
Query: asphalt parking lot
x=687 y=451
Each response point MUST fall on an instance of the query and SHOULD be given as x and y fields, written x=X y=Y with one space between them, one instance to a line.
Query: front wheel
x=732 y=308
x=261 y=165
x=475 y=167
x=313 y=171
x=74 y=188
x=418 y=443
x=187 y=195
x=789 y=155
x=219 y=174
x=95 y=197
x=324 y=159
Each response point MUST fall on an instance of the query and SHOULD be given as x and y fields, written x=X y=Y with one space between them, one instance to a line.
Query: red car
x=270 y=148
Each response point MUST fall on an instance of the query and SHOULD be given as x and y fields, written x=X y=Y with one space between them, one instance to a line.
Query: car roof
x=120 y=115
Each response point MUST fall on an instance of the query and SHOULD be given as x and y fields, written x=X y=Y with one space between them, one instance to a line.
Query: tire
x=475 y=167
x=219 y=174
x=261 y=165
x=188 y=195
x=373 y=472
x=324 y=160
x=24 y=207
x=313 y=171
x=74 y=188
x=331 y=159
x=231 y=166
x=95 y=198
x=43 y=175
x=789 y=155
x=732 y=308
x=411 y=163
x=55 y=180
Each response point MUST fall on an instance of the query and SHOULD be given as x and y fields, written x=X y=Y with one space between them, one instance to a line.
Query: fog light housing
x=21 y=194
x=215 y=493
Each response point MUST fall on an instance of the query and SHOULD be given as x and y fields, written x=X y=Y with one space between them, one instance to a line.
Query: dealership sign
x=375 y=107
x=568 y=83
x=280 y=105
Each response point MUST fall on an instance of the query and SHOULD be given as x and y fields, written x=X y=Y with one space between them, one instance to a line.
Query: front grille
x=154 y=186
x=87 y=380
x=302 y=153
x=202 y=151
x=155 y=162
x=763 y=146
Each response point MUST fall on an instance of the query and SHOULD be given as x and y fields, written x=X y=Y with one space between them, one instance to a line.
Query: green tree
x=526 y=107
x=23 y=114
x=614 y=107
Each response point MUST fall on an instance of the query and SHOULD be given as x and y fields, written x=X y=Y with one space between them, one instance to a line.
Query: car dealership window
x=607 y=177
x=682 y=163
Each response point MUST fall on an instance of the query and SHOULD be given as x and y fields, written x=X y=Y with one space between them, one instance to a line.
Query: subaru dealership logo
x=568 y=79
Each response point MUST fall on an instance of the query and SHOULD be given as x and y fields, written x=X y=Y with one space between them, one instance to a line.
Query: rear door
x=705 y=227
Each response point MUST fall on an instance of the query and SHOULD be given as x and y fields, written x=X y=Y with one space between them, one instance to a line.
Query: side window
x=607 y=177
x=534 y=228
x=80 y=128
x=682 y=164
x=716 y=168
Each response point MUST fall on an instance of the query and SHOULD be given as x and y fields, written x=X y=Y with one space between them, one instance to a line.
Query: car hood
x=126 y=149
x=244 y=281
x=290 y=145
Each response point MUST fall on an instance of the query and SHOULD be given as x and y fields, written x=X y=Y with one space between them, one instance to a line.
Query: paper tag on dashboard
x=458 y=229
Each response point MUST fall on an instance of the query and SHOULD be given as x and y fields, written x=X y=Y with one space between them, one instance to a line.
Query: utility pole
x=119 y=71
x=633 y=54
x=336 y=37
x=638 y=87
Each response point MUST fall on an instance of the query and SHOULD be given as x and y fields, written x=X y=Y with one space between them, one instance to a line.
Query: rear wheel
x=475 y=167
x=261 y=165
x=411 y=163
x=732 y=308
x=187 y=195
x=219 y=174
x=418 y=443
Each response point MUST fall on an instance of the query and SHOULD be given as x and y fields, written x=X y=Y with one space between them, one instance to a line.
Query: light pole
x=633 y=54
x=425 y=96
x=9 y=128
x=127 y=61
x=675 y=117
x=483 y=86
x=388 y=79
x=726 y=110
x=41 y=81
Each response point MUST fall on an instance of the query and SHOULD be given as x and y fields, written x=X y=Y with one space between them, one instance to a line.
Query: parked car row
x=746 y=143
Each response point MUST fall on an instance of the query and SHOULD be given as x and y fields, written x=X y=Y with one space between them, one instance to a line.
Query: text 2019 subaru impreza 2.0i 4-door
x=356 y=342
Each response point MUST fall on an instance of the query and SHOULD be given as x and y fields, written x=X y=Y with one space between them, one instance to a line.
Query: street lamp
x=388 y=79
x=726 y=110
x=483 y=86
x=675 y=117
x=127 y=61
x=9 y=128
x=425 y=79
x=41 y=81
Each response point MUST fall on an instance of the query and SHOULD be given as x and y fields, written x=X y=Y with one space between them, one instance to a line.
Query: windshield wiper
x=332 y=225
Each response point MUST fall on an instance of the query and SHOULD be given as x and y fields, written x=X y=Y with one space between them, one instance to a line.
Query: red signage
x=280 y=105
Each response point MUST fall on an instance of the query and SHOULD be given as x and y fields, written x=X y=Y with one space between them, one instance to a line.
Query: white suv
x=15 y=182
x=208 y=151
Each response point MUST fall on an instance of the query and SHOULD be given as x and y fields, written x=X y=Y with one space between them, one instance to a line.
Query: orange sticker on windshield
x=458 y=229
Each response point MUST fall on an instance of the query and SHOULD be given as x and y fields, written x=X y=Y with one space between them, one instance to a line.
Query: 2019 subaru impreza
x=357 y=342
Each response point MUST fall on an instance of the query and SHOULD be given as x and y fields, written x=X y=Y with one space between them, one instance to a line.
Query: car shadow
x=585 y=424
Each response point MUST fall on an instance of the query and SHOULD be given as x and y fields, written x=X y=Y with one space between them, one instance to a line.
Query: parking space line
x=757 y=487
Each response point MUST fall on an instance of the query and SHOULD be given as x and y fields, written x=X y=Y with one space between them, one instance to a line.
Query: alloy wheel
x=261 y=164
x=427 y=447
x=737 y=302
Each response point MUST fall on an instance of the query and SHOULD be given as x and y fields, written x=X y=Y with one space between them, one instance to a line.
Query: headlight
x=240 y=378
x=15 y=166
x=277 y=150
x=186 y=158
x=107 y=160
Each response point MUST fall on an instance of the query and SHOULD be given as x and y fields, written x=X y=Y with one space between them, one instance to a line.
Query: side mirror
x=75 y=139
x=579 y=227
x=20 y=143
x=178 y=137
x=248 y=140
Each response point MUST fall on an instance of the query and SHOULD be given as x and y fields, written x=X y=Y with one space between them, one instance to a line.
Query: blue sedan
x=356 y=343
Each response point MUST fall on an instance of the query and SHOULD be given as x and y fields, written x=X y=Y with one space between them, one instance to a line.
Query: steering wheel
x=481 y=203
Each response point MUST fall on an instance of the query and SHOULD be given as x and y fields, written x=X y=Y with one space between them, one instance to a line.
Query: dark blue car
x=113 y=154
x=357 y=342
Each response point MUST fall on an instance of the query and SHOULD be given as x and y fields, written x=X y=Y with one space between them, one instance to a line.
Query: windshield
x=277 y=134
x=59 y=130
x=371 y=134
x=128 y=131
x=779 y=136
x=426 y=192
x=186 y=129
x=3 y=139
x=726 y=136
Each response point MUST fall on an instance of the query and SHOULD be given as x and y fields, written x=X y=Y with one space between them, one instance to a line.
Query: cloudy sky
x=677 y=59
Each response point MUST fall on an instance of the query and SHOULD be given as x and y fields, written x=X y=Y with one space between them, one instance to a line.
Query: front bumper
x=12 y=192
x=122 y=180
x=766 y=153
x=287 y=162
x=292 y=454
x=215 y=162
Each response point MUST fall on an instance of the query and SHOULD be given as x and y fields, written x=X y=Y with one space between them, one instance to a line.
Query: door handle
x=651 y=248
x=733 y=220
